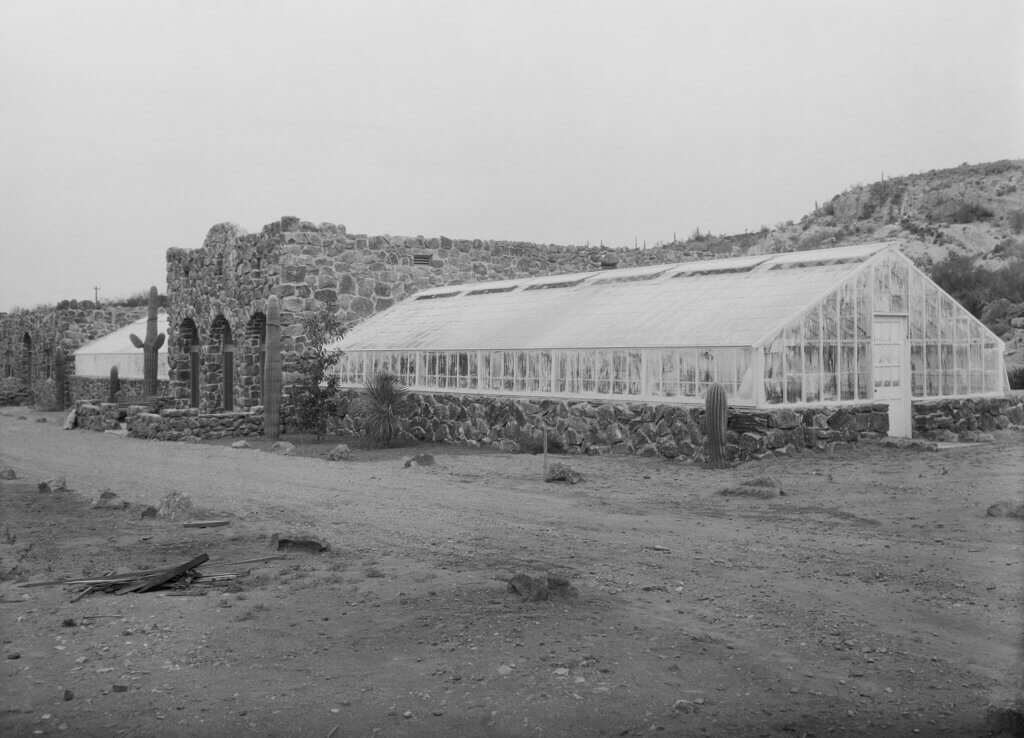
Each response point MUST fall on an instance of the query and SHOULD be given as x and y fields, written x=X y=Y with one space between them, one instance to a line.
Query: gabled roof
x=724 y=302
x=95 y=358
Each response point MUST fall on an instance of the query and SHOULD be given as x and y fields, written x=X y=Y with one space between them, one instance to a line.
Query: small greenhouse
x=845 y=325
x=95 y=358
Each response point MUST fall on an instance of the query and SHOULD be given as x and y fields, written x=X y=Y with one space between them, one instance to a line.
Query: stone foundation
x=964 y=419
x=594 y=427
x=189 y=424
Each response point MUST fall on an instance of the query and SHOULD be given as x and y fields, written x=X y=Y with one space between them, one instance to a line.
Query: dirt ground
x=874 y=597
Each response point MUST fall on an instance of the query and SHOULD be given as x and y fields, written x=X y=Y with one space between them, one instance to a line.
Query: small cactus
x=715 y=417
x=151 y=346
x=59 y=377
x=272 y=372
x=113 y=385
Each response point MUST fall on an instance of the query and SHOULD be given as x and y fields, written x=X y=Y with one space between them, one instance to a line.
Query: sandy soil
x=875 y=597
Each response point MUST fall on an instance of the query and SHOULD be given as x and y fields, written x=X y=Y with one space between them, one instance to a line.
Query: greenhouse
x=845 y=325
x=95 y=358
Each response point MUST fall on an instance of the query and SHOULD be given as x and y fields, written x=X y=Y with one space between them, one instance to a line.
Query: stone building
x=28 y=339
x=218 y=293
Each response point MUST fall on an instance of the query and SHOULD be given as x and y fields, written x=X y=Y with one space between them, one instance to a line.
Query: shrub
x=1016 y=377
x=315 y=394
x=380 y=407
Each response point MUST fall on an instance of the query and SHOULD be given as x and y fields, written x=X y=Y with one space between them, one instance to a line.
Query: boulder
x=71 y=420
x=420 y=460
x=301 y=542
x=176 y=506
x=8 y=473
x=109 y=500
x=1006 y=509
x=561 y=472
x=241 y=444
x=284 y=448
x=761 y=488
x=341 y=452
x=53 y=485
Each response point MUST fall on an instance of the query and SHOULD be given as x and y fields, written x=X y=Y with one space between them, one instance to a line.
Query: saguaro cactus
x=113 y=385
x=59 y=378
x=715 y=416
x=151 y=346
x=272 y=372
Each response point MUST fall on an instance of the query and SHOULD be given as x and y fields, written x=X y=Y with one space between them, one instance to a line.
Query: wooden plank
x=205 y=523
x=273 y=557
x=164 y=576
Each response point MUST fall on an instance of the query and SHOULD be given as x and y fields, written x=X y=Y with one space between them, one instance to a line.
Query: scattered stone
x=7 y=473
x=536 y=586
x=109 y=500
x=976 y=437
x=341 y=452
x=504 y=670
x=149 y=512
x=310 y=544
x=176 y=506
x=241 y=444
x=40 y=420
x=561 y=472
x=532 y=587
x=1006 y=509
x=68 y=695
x=685 y=706
x=53 y=485
x=508 y=446
x=420 y=460
x=120 y=687
x=284 y=448
x=14 y=655
x=762 y=488
x=912 y=443
x=71 y=420
x=119 y=432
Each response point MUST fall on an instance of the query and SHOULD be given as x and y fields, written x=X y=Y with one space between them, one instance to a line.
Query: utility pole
x=96 y=295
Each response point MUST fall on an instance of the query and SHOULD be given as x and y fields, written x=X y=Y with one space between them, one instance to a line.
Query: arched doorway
x=220 y=366
x=189 y=360
x=254 y=353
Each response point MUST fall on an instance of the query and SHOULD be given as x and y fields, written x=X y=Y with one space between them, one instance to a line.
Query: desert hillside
x=964 y=226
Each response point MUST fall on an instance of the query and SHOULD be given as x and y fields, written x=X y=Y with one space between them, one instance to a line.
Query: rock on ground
x=560 y=472
x=284 y=448
x=341 y=452
x=1006 y=509
x=420 y=460
x=176 y=506
x=762 y=488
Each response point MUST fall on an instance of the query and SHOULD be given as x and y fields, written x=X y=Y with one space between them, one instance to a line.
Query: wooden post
x=545 y=454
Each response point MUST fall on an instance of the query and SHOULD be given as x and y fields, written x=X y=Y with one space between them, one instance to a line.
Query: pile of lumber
x=178 y=577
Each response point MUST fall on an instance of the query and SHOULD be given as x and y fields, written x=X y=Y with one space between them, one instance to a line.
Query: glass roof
x=724 y=302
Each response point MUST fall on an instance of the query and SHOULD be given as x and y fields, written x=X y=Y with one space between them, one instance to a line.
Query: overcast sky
x=129 y=127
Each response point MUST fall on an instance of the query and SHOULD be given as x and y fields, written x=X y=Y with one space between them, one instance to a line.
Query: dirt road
x=875 y=597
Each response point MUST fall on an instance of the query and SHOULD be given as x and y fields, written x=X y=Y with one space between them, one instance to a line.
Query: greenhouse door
x=891 y=371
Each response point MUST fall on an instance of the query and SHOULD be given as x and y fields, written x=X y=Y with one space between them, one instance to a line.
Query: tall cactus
x=715 y=416
x=60 y=380
x=151 y=346
x=113 y=385
x=272 y=372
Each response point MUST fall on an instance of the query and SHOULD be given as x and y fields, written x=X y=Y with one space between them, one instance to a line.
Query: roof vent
x=553 y=285
x=437 y=296
x=491 y=290
x=422 y=259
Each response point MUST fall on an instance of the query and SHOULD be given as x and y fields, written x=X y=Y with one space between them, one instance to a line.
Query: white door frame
x=890 y=371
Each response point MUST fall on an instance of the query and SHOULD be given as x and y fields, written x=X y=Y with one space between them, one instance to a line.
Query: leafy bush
x=975 y=286
x=998 y=314
x=1016 y=377
x=380 y=407
x=315 y=394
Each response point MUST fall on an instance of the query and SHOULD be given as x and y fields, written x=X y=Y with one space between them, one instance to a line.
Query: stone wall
x=218 y=292
x=28 y=339
x=95 y=388
x=963 y=420
x=101 y=416
x=184 y=424
x=594 y=427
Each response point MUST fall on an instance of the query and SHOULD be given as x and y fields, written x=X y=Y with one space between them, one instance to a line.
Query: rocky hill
x=964 y=226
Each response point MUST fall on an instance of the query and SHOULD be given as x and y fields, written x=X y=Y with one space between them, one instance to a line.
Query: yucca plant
x=380 y=406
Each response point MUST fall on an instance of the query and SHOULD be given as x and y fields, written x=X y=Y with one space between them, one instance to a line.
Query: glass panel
x=898 y=285
x=604 y=372
x=705 y=371
x=917 y=306
x=588 y=372
x=863 y=371
x=917 y=372
x=948 y=386
x=812 y=325
x=881 y=287
x=744 y=376
x=635 y=361
x=619 y=373
x=864 y=305
x=847 y=313
x=688 y=372
x=847 y=372
x=669 y=372
x=829 y=385
x=829 y=323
